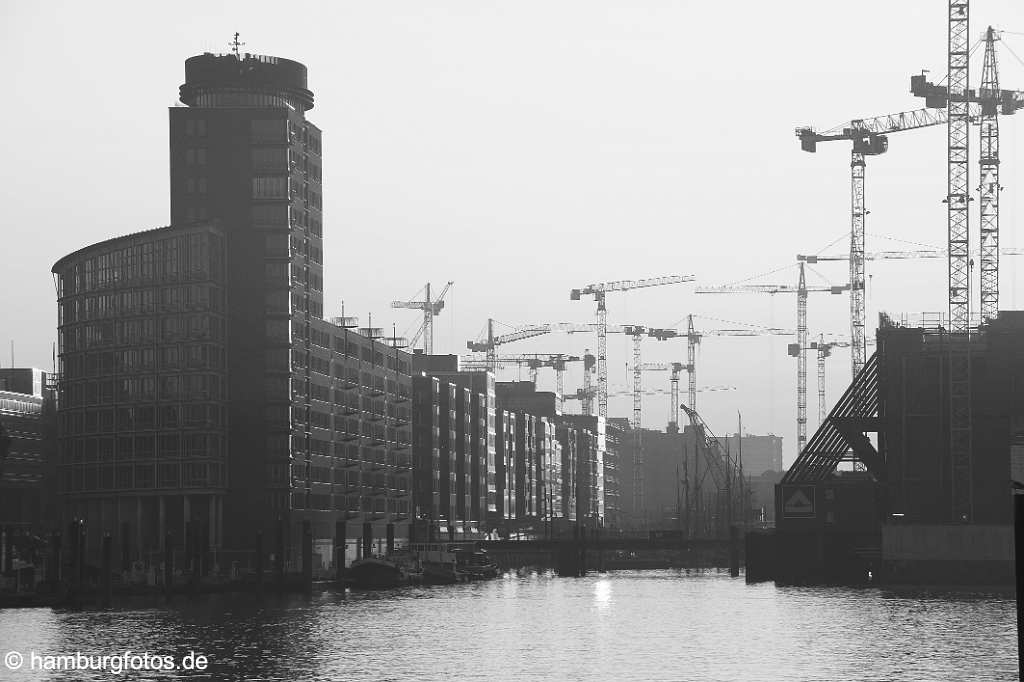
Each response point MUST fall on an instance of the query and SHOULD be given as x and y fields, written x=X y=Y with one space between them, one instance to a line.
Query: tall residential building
x=200 y=353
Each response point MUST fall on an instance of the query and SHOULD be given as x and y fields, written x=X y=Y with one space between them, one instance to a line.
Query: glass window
x=270 y=187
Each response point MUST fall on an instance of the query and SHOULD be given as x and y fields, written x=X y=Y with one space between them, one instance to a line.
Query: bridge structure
x=590 y=550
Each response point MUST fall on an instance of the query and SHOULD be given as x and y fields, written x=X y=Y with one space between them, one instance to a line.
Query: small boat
x=476 y=564
x=442 y=573
x=374 y=573
x=448 y=563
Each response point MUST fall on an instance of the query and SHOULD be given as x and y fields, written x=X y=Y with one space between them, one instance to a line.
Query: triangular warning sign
x=799 y=503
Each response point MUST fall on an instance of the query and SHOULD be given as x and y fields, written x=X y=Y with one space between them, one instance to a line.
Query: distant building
x=459 y=407
x=27 y=452
x=564 y=473
x=673 y=473
x=760 y=453
x=614 y=513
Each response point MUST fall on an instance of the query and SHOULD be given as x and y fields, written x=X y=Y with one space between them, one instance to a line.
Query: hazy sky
x=523 y=149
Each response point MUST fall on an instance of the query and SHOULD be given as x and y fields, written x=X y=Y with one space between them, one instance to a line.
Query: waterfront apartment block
x=468 y=449
x=200 y=383
x=557 y=463
x=504 y=515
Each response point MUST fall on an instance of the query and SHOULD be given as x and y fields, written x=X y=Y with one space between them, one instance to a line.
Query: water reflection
x=642 y=625
x=603 y=594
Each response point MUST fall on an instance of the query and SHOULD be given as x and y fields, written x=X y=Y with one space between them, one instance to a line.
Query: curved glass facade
x=142 y=358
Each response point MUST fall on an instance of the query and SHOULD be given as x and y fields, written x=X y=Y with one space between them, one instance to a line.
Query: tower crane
x=824 y=350
x=983 y=106
x=869 y=138
x=589 y=365
x=534 y=361
x=899 y=255
x=675 y=368
x=693 y=338
x=431 y=309
x=532 y=330
x=599 y=291
x=799 y=349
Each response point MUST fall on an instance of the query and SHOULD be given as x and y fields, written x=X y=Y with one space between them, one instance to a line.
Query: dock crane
x=724 y=472
x=599 y=291
x=798 y=349
x=869 y=138
x=431 y=309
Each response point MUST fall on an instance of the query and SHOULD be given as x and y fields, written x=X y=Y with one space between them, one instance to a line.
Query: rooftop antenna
x=235 y=45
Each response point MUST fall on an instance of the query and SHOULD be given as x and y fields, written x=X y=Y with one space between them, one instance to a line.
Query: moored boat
x=476 y=564
x=371 y=573
x=446 y=563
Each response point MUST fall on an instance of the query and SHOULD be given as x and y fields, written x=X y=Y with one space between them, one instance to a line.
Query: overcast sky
x=523 y=149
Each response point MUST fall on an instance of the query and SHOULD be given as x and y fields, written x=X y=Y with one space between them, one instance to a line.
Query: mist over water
x=636 y=625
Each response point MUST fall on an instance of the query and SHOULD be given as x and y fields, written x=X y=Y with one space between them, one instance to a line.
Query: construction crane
x=533 y=330
x=431 y=309
x=599 y=291
x=534 y=361
x=898 y=255
x=693 y=338
x=799 y=349
x=869 y=138
x=724 y=472
x=824 y=350
x=982 y=106
x=675 y=368
x=958 y=97
x=581 y=393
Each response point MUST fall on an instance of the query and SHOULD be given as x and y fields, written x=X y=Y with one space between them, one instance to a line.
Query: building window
x=270 y=187
x=274 y=130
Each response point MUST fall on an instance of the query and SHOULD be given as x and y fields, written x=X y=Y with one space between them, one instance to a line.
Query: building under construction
x=917 y=510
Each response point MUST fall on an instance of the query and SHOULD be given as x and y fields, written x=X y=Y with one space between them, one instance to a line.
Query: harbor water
x=627 y=625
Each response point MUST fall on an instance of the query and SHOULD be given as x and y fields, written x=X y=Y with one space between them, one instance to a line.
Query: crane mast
x=857 y=309
x=824 y=350
x=798 y=349
x=958 y=229
x=692 y=339
x=599 y=292
x=989 y=180
x=869 y=139
x=801 y=361
x=589 y=362
x=958 y=171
